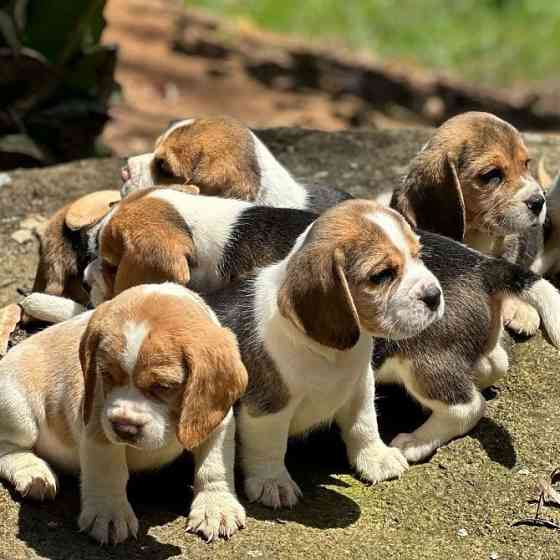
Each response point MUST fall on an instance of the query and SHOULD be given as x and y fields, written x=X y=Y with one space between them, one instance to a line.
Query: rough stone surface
x=459 y=504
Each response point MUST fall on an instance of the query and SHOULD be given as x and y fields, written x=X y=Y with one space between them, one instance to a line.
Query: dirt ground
x=459 y=504
x=160 y=84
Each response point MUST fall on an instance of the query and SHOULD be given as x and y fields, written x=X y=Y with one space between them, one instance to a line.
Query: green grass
x=494 y=42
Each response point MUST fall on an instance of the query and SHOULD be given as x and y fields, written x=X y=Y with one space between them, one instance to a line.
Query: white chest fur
x=320 y=381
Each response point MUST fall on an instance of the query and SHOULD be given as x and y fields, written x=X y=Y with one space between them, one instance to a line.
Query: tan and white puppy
x=305 y=328
x=64 y=245
x=126 y=388
x=471 y=182
x=223 y=158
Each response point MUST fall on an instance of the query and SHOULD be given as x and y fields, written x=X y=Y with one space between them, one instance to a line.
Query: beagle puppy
x=126 y=387
x=471 y=182
x=209 y=243
x=305 y=328
x=223 y=158
x=64 y=245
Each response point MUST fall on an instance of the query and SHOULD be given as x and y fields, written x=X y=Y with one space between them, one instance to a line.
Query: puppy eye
x=162 y=390
x=385 y=275
x=494 y=176
x=163 y=169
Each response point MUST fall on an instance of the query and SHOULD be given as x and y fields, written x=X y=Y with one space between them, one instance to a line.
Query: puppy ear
x=88 y=350
x=216 y=380
x=147 y=262
x=316 y=299
x=89 y=209
x=431 y=197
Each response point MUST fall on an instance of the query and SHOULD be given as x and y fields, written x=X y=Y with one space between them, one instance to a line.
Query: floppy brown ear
x=151 y=262
x=89 y=209
x=88 y=350
x=216 y=380
x=431 y=197
x=316 y=298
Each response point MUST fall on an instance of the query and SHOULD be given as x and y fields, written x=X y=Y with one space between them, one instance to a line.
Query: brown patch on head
x=465 y=177
x=216 y=154
x=145 y=241
x=338 y=279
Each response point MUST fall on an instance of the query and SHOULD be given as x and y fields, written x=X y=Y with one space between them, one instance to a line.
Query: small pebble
x=22 y=236
x=494 y=556
x=462 y=533
x=5 y=180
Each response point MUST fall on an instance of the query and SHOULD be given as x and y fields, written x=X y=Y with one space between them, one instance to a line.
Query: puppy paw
x=520 y=317
x=108 y=520
x=273 y=492
x=33 y=478
x=216 y=514
x=379 y=462
x=413 y=448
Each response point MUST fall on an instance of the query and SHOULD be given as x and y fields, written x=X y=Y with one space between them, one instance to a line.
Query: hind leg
x=454 y=414
x=29 y=474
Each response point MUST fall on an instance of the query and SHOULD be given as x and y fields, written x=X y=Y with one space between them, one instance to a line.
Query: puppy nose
x=535 y=204
x=125 y=173
x=125 y=430
x=431 y=297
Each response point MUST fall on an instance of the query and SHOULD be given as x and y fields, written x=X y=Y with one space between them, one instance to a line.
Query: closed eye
x=163 y=390
x=386 y=275
x=163 y=169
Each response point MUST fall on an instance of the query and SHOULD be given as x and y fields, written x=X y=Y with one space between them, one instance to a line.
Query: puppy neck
x=484 y=243
x=278 y=187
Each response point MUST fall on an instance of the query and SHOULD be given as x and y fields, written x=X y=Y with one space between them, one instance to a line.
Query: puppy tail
x=545 y=298
x=51 y=309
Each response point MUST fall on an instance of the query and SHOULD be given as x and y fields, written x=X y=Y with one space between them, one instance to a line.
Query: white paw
x=216 y=514
x=520 y=317
x=379 y=462
x=33 y=478
x=412 y=448
x=273 y=492
x=108 y=519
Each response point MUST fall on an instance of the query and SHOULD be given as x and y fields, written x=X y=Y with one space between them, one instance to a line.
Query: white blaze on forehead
x=393 y=229
x=134 y=335
x=172 y=128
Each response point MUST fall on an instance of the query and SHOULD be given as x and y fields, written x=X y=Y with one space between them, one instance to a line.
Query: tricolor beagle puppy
x=471 y=182
x=305 y=327
x=223 y=158
x=209 y=242
x=126 y=388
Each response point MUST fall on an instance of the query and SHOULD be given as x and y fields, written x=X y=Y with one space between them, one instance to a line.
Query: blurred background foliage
x=493 y=42
x=56 y=78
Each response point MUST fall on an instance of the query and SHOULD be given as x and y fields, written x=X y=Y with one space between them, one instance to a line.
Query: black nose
x=126 y=431
x=432 y=297
x=535 y=204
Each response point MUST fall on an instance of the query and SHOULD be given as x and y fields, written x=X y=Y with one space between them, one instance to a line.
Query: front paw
x=216 y=514
x=108 y=519
x=520 y=317
x=379 y=462
x=277 y=492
